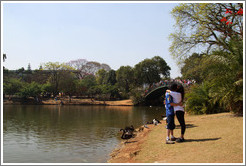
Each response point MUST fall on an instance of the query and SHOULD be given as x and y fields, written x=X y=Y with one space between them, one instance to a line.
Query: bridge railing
x=185 y=83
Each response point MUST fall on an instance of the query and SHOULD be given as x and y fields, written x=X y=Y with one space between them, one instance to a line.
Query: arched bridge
x=156 y=92
x=155 y=96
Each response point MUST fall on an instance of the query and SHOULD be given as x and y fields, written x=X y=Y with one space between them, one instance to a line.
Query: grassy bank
x=216 y=138
x=66 y=101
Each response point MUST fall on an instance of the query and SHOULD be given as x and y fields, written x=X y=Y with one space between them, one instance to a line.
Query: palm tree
x=225 y=73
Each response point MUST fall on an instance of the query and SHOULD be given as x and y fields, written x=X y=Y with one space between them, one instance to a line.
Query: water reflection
x=67 y=133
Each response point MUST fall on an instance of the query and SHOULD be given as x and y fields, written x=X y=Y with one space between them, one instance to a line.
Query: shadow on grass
x=187 y=126
x=128 y=142
x=202 y=140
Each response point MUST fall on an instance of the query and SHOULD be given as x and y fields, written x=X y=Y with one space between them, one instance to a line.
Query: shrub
x=31 y=90
x=137 y=97
x=200 y=101
x=12 y=86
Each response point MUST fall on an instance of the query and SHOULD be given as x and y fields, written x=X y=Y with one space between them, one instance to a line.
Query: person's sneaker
x=168 y=141
x=180 y=140
x=173 y=139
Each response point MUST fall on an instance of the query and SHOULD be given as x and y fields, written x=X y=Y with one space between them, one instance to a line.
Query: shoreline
x=128 y=149
x=212 y=145
x=65 y=101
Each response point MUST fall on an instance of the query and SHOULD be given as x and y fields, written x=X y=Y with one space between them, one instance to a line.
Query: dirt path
x=216 y=138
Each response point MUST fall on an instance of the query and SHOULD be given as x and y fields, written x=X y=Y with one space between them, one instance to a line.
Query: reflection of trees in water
x=124 y=109
x=60 y=123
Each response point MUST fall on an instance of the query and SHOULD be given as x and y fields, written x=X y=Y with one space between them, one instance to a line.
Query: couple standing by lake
x=174 y=106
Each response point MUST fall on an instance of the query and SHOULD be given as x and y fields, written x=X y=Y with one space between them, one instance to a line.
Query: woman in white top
x=178 y=96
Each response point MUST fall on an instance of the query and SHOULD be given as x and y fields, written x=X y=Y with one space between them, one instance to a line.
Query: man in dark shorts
x=170 y=119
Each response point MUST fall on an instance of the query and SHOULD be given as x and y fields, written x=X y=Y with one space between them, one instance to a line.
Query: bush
x=137 y=97
x=31 y=90
x=124 y=95
x=200 y=101
x=12 y=86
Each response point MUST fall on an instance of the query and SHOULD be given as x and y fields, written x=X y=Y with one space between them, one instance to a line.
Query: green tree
x=125 y=78
x=100 y=76
x=151 y=70
x=40 y=76
x=12 y=86
x=29 y=67
x=199 y=25
x=224 y=70
x=68 y=84
x=222 y=73
x=86 y=85
x=110 y=78
x=221 y=69
x=192 y=68
x=137 y=96
x=32 y=89
x=58 y=72
x=20 y=72
x=108 y=91
x=200 y=100
x=47 y=88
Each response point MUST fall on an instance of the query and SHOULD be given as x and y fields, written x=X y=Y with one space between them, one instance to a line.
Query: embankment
x=65 y=101
x=216 y=138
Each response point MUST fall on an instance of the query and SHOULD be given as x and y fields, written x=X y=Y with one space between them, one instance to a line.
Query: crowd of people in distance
x=185 y=83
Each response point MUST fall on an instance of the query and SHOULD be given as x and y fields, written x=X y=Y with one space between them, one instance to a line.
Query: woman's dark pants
x=180 y=117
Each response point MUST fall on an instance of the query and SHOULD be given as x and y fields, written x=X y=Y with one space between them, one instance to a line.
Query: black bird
x=127 y=132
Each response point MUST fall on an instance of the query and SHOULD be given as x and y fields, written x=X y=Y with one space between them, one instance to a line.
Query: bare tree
x=85 y=67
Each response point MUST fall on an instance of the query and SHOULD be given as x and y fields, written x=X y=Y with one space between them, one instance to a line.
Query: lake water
x=67 y=134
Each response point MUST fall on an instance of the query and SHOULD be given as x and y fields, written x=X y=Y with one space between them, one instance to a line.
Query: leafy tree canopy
x=125 y=77
x=200 y=26
x=151 y=70
x=12 y=86
x=192 y=68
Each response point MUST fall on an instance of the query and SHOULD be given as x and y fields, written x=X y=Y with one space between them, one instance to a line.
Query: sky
x=117 y=34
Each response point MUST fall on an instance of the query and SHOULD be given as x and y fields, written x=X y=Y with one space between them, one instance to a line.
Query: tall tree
x=192 y=68
x=29 y=67
x=85 y=67
x=205 y=26
x=57 y=74
x=110 y=77
x=125 y=77
x=100 y=76
x=29 y=70
x=224 y=71
x=151 y=70
x=68 y=84
x=218 y=28
x=85 y=85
